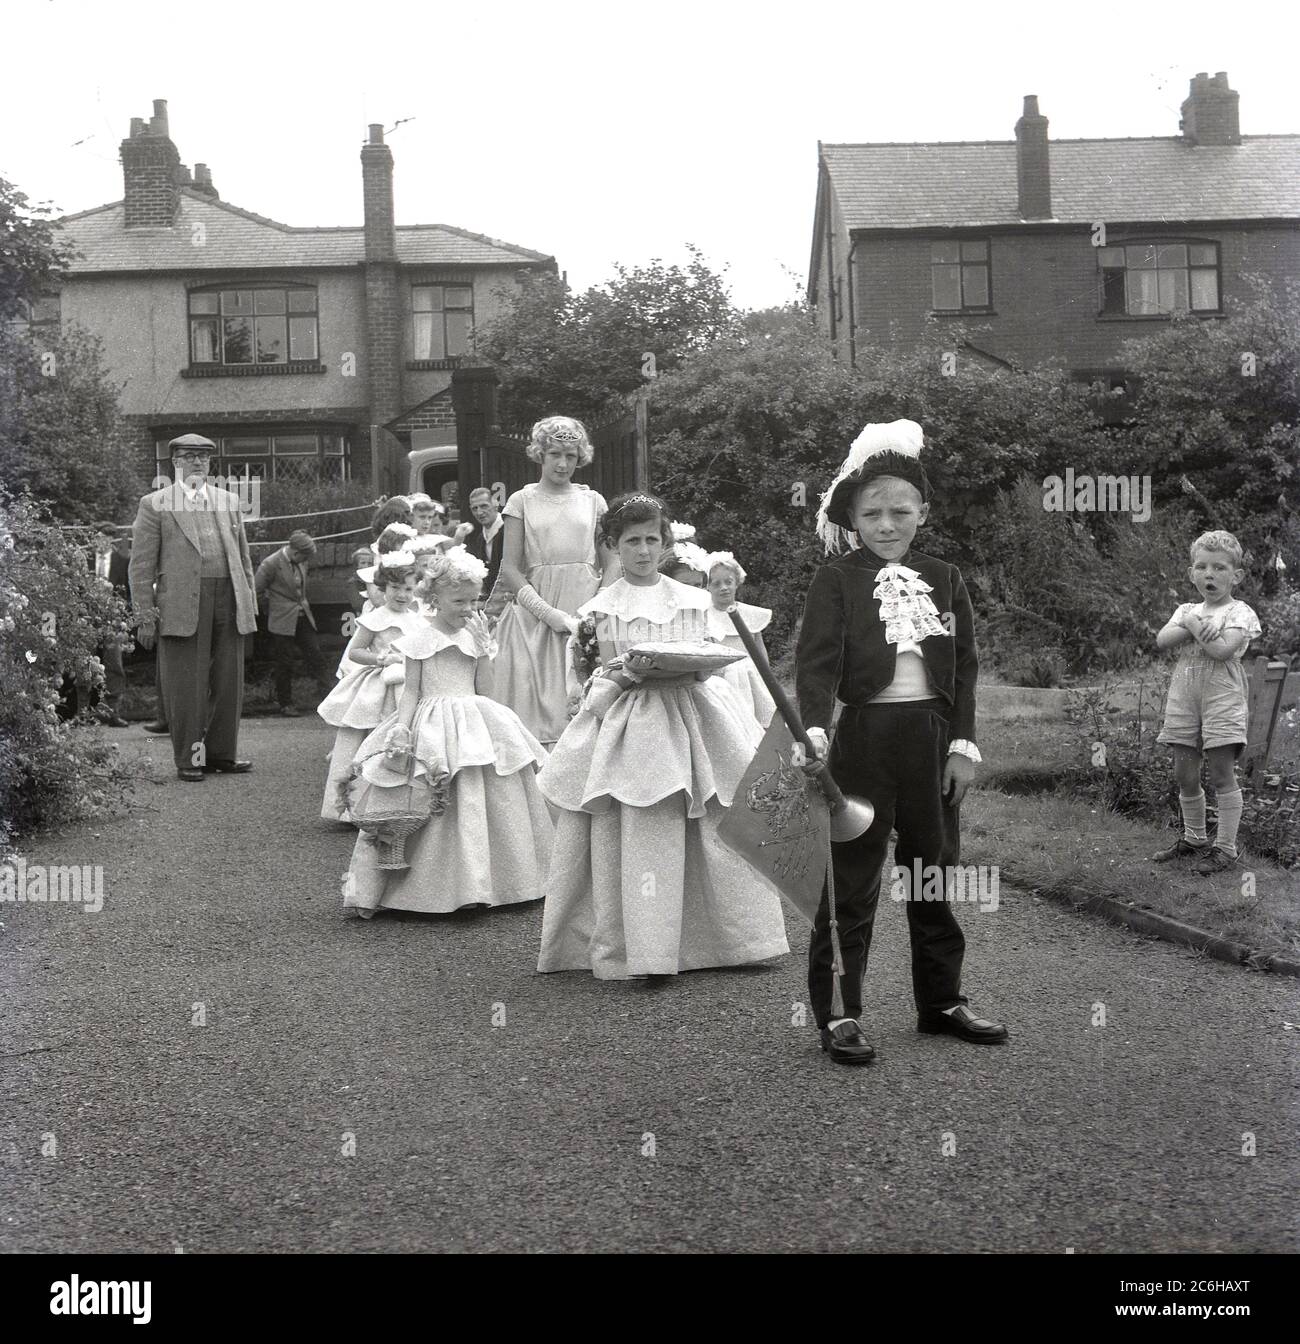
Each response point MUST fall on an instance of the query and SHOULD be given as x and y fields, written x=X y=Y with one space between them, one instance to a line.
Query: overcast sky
x=599 y=132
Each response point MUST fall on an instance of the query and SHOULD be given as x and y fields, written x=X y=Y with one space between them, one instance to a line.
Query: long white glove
x=531 y=600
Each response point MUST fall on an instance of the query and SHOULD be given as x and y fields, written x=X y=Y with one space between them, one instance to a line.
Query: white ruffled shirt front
x=910 y=616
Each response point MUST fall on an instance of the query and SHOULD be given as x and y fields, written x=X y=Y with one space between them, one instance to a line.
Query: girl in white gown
x=552 y=563
x=491 y=844
x=725 y=577
x=639 y=882
x=370 y=676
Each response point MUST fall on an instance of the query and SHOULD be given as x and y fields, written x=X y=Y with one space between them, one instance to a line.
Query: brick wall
x=437 y=413
x=1044 y=288
x=150 y=168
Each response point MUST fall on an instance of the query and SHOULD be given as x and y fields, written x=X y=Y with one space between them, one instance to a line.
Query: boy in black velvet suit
x=890 y=632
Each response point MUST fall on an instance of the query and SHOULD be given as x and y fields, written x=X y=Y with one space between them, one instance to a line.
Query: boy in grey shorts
x=1206 y=708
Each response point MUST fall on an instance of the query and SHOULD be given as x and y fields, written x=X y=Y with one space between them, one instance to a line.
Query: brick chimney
x=203 y=182
x=150 y=170
x=1033 y=168
x=383 y=307
x=1209 y=114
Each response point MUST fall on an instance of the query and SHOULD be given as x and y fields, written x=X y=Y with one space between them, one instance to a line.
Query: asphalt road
x=350 y=1092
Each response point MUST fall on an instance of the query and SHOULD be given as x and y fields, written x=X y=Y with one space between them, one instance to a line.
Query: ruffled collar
x=424 y=643
x=659 y=603
x=905 y=606
x=755 y=618
x=382 y=618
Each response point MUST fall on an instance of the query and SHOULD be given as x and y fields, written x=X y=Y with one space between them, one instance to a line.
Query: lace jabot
x=905 y=605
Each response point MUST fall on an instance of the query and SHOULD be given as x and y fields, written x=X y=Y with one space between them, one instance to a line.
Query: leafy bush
x=1219 y=403
x=54 y=613
x=62 y=436
x=280 y=498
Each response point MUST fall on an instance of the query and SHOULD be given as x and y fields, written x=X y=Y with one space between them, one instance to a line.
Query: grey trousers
x=202 y=680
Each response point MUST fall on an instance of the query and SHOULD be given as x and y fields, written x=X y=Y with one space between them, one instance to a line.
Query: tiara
x=564 y=435
x=639 y=499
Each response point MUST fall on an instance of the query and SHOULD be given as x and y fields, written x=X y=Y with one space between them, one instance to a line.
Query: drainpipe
x=830 y=255
x=853 y=321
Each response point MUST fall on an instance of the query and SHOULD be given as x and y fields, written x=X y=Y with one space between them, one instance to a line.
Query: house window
x=253 y=326
x=443 y=320
x=959 y=276
x=305 y=458
x=1157 y=279
x=39 y=317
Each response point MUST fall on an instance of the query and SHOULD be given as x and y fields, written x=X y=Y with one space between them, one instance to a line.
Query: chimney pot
x=376 y=133
x=1031 y=105
x=1210 y=114
x=137 y=126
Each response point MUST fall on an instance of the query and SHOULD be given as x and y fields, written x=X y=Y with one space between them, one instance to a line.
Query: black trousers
x=892 y=755
x=287 y=650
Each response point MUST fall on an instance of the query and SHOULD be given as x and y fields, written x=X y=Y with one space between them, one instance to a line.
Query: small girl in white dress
x=492 y=844
x=370 y=676
x=725 y=577
x=640 y=884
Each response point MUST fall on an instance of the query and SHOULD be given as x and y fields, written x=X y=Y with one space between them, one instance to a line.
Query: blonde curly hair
x=556 y=430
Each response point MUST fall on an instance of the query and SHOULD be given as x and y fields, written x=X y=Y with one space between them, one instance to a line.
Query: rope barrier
x=332 y=536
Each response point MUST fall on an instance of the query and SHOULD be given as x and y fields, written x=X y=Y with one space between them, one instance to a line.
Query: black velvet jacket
x=842 y=650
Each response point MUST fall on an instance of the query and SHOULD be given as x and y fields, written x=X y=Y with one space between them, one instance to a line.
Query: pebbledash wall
x=1043 y=288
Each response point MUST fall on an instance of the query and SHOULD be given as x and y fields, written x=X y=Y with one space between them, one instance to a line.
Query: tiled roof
x=1123 y=181
x=238 y=239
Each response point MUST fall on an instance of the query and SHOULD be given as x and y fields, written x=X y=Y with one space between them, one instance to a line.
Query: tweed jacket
x=165 y=562
x=285 y=598
x=841 y=651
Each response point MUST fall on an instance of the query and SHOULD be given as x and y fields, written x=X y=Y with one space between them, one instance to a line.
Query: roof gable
x=235 y=239
x=909 y=186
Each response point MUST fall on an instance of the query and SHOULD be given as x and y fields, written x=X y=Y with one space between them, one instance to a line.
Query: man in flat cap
x=282 y=587
x=189 y=554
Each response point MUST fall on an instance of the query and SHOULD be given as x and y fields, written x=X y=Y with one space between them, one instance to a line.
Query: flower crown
x=396 y=560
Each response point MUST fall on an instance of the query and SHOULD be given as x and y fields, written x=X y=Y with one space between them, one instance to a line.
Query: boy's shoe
x=963 y=1023
x=1182 y=848
x=157 y=726
x=1216 y=861
x=846 y=1044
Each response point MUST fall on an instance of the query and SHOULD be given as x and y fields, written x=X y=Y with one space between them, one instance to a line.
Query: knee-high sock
x=1229 y=820
x=1193 y=810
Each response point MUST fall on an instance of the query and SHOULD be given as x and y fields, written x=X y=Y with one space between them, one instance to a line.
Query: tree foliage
x=558 y=352
x=1219 y=403
x=32 y=255
x=62 y=435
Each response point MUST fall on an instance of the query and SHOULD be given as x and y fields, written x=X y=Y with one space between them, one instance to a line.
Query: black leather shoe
x=846 y=1044
x=191 y=776
x=963 y=1023
x=228 y=767
x=157 y=726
